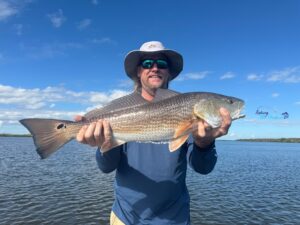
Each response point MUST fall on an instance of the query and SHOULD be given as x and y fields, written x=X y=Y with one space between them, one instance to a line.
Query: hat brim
x=133 y=59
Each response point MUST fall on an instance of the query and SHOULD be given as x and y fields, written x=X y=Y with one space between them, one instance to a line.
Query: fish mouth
x=240 y=116
x=239 y=113
x=242 y=107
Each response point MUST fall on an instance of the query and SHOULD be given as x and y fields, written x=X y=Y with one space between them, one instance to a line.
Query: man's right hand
x=95 y=134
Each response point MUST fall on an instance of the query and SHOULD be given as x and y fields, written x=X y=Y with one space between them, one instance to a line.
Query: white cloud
x=10 y=8
x=193 y=76
x=254 y=77
x=275 y=95
x=11 y=117
x=105 y=40
x=95 y=2
x=297 y=103
x=117 y=94
x=26 y=98
x=232 y=134
x=84 y=24
x=7 y=9
x=287 y=75
x=22 y=103
x=228 y=75
x=57 y=18
x=98 y=97
x=48 y=97
x=103 y=98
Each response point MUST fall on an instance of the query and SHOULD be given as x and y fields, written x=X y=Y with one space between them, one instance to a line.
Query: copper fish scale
x=156 y=121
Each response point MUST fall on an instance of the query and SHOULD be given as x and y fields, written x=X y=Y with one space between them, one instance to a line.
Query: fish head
x=208 y=108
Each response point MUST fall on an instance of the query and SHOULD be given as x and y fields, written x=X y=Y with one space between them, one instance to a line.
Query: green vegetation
x=286 y=140
x=15 y=135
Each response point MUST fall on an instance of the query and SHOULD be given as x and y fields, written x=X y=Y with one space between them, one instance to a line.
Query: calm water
x=253 y=183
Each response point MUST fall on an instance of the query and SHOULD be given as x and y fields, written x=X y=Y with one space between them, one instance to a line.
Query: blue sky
x=61 y=58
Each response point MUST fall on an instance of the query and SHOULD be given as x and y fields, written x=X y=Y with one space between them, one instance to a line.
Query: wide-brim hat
x=133 y=58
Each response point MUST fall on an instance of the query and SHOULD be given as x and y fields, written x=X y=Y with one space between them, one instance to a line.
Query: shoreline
x=282 y=140
x=15 y=135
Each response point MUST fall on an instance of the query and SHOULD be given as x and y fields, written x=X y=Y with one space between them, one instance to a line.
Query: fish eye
x=230 y=101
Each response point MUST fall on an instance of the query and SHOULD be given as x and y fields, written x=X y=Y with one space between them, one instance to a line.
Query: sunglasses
x=160 y=63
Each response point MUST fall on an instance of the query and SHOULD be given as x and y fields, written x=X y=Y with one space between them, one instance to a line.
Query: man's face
x=154 y=77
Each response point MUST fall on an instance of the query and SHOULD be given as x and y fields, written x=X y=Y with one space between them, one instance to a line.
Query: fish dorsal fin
x=162 y=94
x=132 y=100
x=128 y=101
x=181 y=135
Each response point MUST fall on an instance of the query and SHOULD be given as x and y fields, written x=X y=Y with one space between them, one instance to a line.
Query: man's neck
x=148 y=94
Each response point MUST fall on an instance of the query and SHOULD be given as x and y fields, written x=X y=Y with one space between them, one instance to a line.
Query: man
x=150 y=183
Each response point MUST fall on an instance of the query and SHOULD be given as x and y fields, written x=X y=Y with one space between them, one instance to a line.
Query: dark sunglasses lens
x=147 y=64
x=162 y=64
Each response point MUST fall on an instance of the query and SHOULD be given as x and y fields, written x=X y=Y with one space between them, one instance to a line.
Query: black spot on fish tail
x=61 y=126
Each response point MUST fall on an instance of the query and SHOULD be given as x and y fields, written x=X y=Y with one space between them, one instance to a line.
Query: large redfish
x=170 y=119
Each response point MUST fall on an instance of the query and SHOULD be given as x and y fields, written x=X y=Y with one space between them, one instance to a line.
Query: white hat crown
x=152 y=46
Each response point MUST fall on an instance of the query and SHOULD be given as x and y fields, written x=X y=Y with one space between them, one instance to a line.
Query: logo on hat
x=152 y=46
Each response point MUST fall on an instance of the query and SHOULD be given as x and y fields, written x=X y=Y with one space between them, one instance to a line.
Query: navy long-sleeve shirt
x=150 y=185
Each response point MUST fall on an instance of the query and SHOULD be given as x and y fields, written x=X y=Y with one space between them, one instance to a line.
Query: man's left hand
x=205 y=135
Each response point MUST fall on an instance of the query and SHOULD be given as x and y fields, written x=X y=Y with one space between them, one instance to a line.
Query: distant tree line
x=287 y=140
x=15 y=135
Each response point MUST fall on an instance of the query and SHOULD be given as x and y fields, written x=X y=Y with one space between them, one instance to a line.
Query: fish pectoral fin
x=175 y=144
x=108 y=146
x=181 y=135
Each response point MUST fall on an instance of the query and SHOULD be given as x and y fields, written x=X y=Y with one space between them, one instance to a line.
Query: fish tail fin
x=49 y=134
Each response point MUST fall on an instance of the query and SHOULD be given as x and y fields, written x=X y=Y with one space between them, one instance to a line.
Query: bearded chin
x=164 y=85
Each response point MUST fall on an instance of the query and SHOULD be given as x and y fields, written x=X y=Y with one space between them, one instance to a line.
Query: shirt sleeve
x=202 y=160
x=108 y=161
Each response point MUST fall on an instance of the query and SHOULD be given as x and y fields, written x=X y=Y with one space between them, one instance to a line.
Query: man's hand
x=96 y=134
x=205 y=134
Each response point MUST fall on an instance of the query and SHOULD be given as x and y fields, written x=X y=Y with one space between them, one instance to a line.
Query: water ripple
x=253 y=183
